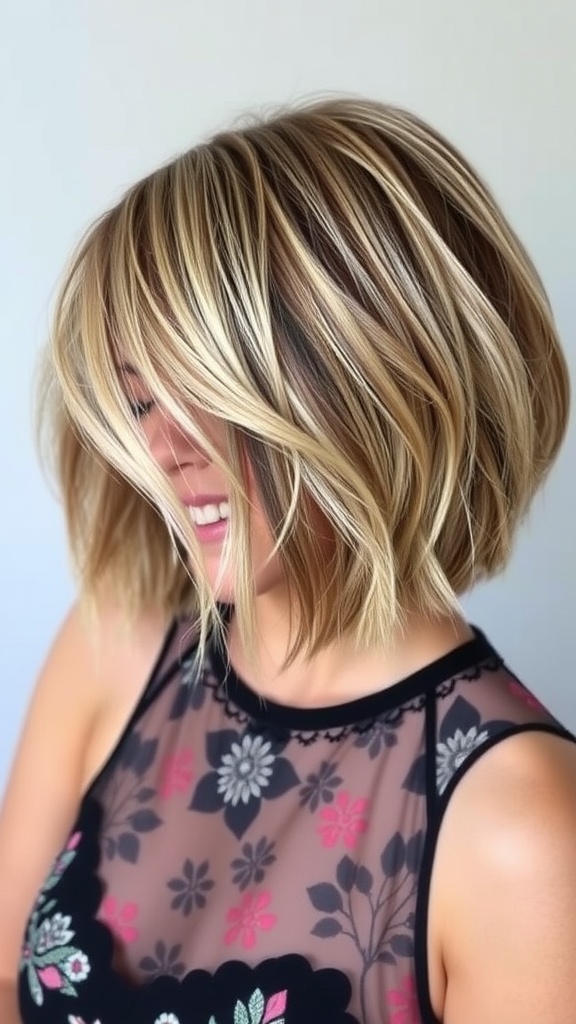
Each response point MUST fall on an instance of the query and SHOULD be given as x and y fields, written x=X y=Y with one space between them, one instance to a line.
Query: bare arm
x=506 y=887
x=8 y=1003
x=89 y=684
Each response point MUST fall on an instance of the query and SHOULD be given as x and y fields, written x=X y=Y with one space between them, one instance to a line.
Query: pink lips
x=209 y=533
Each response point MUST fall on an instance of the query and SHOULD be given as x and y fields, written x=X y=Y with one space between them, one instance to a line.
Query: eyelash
x=140 y=409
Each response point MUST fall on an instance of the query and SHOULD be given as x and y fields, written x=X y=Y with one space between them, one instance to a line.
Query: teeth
x=201 y=515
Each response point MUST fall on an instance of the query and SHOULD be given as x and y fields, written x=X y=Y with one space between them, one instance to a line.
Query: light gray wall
x=95 y=94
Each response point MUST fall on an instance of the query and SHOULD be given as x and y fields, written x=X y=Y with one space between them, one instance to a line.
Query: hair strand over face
x=338 y=286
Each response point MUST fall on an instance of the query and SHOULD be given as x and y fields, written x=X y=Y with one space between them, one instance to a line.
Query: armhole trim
x=147 y=694
x=438 y=809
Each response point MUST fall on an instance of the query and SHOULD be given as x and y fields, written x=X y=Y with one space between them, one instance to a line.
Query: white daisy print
x=246 y=770
x=54 y=931
x=452 y=754
x=167 y=1018
x=76 y=967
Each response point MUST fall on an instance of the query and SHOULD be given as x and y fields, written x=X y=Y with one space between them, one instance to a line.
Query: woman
x=303 y=384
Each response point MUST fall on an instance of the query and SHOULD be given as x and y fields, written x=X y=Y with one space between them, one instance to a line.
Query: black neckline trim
x=265 y=711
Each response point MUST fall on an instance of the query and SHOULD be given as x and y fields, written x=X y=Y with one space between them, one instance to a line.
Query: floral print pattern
x=250 y=868
x=247 y=770
x=120 y=918
x=128 y=819
x=259 y=1010
x=320 y=786
x=218 y=825
x=374 y=914
x=248 y=918
x=191 y=888
x=462 y=731
x=404 y=1002
x=164 y=961
x=450 y=756
x=346 y=820
x=176 y=773
x=50 y=958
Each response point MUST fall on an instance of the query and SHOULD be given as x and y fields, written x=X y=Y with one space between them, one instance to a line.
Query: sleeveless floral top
x=241 y=862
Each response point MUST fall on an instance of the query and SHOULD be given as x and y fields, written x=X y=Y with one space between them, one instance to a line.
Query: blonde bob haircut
x=338 y=287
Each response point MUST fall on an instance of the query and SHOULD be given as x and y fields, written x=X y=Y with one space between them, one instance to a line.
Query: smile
x=202 y=515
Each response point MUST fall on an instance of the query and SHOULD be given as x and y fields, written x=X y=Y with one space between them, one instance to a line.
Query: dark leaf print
x=148 y=965
x=402 y=945
x=240 y=817
x=327 y=928
x=206 y=796
x=415 y=780
x=145 y=794
x=414 y=850
x=461 y=715
x=129 y=847
x=346 y=874
x=130 y=750
x=144 y=820
x=364 y=880
x=394 y=856
x=145 y=756
x=218 y=744
x=325 y=896
x=386 y=958
x=284 y=778
x=109 y=847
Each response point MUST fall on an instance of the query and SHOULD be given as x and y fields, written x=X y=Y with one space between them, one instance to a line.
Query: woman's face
x=202 y=488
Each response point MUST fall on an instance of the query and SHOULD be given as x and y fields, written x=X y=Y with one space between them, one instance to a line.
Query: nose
x=169 y=446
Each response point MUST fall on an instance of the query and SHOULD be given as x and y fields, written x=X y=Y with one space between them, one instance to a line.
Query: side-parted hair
x=338 y=286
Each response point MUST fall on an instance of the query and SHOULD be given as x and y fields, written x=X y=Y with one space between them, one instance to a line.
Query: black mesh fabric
x=240 y=862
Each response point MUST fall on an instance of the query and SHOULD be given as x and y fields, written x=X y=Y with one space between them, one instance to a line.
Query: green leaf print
x=55 y=956
x=35 y=986
x=256 y=1007
x=241 y=1015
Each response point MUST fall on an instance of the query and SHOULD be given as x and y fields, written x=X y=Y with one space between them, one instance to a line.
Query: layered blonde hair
x=338 y=286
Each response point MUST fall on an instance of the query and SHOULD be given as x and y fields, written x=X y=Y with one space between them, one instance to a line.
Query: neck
x=339 y=673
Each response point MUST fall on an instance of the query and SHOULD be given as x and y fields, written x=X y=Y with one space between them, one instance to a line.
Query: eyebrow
x=129 y=369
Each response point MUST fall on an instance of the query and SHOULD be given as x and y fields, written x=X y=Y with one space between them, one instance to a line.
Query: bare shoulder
x=504 y=891
x=90 y=681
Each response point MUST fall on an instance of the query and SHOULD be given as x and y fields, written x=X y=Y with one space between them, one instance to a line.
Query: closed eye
x=140 y=409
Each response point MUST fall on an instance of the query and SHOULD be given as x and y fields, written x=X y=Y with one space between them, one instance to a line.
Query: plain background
x=94 y=95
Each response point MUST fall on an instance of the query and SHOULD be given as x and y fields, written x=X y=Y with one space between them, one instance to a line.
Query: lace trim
x=392 y=717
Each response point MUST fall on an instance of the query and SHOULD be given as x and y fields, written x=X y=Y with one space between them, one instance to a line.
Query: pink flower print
x=50 y=977
x=275 y=1007
x=119 y=918
x=68 y=854
x=247 y=918
x=405 y=1002
x=524 y=695
x=73 y=841
x=176 y=773
x=344 y=819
